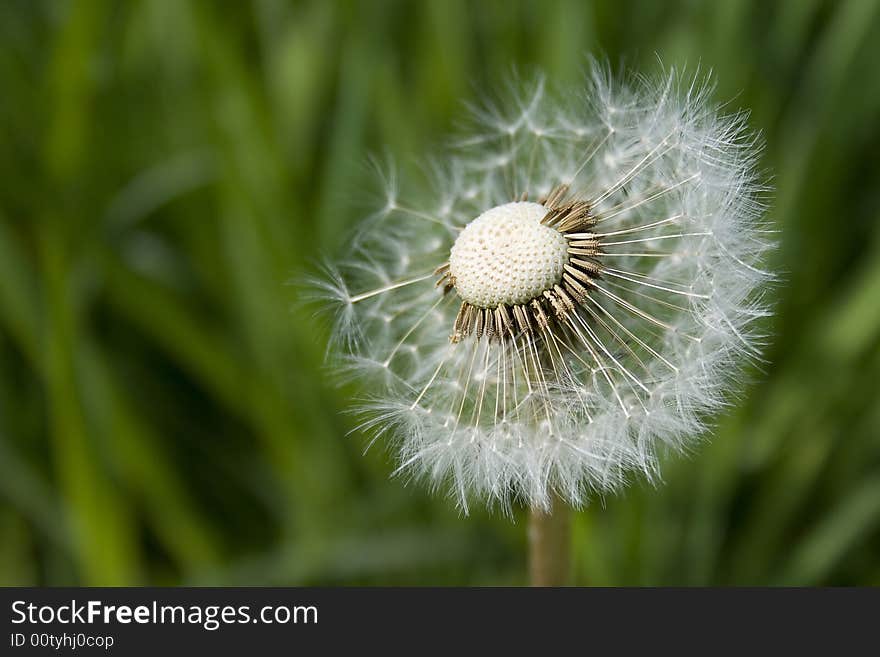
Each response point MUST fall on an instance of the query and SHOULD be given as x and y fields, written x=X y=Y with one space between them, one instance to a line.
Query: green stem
x=550 y=544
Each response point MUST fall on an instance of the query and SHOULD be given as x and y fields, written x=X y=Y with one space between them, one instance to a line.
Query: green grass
x=167 y=167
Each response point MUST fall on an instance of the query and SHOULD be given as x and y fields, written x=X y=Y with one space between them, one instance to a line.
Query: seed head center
x=507 y=256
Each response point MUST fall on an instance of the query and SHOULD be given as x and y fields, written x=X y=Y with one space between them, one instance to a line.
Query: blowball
x=579 y=290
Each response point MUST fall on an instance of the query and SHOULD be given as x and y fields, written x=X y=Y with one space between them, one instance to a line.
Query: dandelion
x=578 y=293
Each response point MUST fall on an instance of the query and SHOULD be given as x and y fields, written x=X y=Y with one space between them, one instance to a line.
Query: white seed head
x=560 y=346
x=507 y=256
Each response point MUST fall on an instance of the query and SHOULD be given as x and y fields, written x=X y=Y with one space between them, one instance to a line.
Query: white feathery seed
x=579 y=290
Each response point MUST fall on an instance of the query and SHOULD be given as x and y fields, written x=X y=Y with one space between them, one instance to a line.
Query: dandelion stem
x=550 y=544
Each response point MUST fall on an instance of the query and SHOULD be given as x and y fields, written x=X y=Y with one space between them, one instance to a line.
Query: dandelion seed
x=579 y=293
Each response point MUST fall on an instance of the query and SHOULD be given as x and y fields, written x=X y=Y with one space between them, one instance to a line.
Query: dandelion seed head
x=578 y=292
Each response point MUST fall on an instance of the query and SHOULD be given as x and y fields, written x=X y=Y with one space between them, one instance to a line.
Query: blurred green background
x=166 y=167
